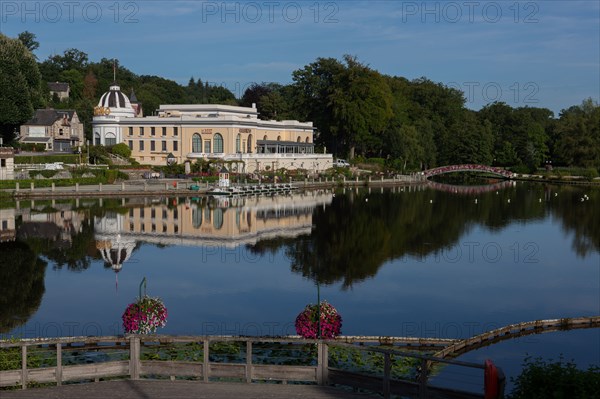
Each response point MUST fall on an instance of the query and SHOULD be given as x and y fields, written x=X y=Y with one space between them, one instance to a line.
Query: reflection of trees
x=75 y=253
x=75 y=257
x=580 y=217
x=358 y=233
x=22 y=278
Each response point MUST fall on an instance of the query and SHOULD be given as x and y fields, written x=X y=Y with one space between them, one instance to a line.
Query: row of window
x=198 y=144
x=196 y=218
x=153 y=228
x=153 y=131
x=163 y=145
x=142 y=213
x=217 y=142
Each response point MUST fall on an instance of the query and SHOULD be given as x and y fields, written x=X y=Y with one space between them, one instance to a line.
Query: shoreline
x=170 y=187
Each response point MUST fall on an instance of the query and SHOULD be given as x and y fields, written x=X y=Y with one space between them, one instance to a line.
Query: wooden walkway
x=183 y=389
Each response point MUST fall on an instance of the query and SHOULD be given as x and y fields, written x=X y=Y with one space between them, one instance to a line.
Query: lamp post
x=318 y=310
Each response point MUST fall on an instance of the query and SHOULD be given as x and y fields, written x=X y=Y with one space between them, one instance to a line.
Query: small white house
x=224 y=177
x=7 y=163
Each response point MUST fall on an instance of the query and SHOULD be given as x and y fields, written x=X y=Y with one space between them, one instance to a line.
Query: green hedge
x=35 y=159
x=100 y=176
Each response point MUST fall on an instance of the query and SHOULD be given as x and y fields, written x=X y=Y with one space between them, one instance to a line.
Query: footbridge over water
x=515 y=331
x=470 y=190
x=468 y=168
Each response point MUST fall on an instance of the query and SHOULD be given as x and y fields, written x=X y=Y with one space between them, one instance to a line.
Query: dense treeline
x=358 y=111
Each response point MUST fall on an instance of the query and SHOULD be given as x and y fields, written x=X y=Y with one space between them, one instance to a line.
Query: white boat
x=218 y=191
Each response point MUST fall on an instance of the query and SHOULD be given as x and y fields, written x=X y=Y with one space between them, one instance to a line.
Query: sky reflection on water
x=501 y=265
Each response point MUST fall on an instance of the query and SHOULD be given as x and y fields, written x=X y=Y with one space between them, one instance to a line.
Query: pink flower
x=307 y=322
x=144 y=316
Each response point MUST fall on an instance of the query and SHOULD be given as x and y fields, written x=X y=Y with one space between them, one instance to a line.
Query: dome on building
x=115 y=251
x=114 y=248
x=116 y=102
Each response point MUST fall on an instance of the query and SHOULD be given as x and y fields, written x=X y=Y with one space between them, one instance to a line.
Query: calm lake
x=431 y=261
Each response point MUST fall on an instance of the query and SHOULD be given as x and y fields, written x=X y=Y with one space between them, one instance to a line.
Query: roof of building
x=36 y=139
x=48 y=116
x=116 y=101
x=133 y=97
x=58 y=86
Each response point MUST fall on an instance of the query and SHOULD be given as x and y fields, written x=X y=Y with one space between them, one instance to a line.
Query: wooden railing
x=131 y=360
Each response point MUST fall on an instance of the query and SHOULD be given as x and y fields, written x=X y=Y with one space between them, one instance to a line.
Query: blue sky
x=536 y=53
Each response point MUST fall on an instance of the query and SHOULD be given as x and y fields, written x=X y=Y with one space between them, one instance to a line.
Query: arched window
x=110 y=139
x=307 y=139
x=278 y=138
x=265 y=138
x=238 y=140
x=197 y=217
x=218 y=143
x=97 y=139
x=218 y=218
x=249 y=150
x=196 y=143
x=299 y=139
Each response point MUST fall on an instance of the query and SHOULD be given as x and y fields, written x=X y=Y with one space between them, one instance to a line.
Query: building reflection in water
x=223 y=222
x=8 y=231
x=59 y=226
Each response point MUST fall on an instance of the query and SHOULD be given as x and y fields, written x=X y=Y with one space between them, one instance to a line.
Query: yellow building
x=188 y=132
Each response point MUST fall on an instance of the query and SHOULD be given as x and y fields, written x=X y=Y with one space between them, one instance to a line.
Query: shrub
x=64 y=158
x=121 y=150
x=540 y=380
x=589 y=173
x=376 y=161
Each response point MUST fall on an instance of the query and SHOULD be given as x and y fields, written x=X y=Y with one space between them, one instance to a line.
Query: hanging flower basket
x=307 y=322
x=144 y=316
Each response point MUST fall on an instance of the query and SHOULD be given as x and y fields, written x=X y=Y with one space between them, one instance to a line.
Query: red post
x=493 y=381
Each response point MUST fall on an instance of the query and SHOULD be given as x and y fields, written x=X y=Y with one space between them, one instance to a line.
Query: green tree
x=404 y=145
x=29 y=41
x=20 y=85
x=254 y=93
x=467 y=141
x=312 y=88
x=578 y=135
x=362 y=107
x=75 y=79
x=121 y=150
x=273 y=106
x=71 y=59
x=350 y=104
